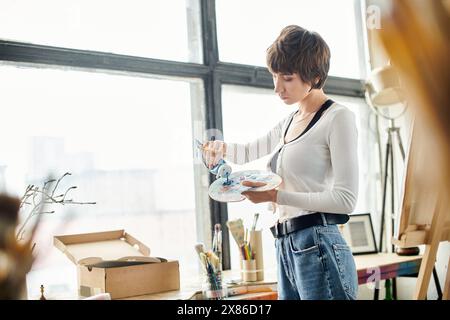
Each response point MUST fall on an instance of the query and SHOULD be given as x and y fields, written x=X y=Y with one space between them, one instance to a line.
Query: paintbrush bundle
x=240 y=235
x=217 y=243
x=236 y=228
x=249 y=244
x=211 y=265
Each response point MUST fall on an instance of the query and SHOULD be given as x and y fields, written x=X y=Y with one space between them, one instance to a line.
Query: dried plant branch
x=39 y=198
x=59 y=180
x=47 y=183
x=26 y=195
x=75 y=202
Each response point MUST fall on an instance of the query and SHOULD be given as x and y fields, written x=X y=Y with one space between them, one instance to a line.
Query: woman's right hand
x=213 y=151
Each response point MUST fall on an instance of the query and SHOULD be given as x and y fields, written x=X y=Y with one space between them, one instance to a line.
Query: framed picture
x=358 y=232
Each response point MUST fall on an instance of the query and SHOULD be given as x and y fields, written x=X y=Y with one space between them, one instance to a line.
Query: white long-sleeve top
x=319 y=169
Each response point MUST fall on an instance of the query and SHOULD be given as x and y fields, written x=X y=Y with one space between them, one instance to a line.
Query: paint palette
x=232 y=192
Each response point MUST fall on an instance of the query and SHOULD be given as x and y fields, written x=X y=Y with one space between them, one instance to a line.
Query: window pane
x=249 y=114
x=157 y=29
x=126 y=140
x=247 y=28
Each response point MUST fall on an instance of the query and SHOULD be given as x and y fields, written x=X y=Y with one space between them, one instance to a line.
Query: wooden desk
x=381 y=266
x=370 y=267
x=386 y=265
x=191 y=289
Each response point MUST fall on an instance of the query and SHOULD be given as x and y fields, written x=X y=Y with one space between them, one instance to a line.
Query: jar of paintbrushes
x=212 y=284
x=250 y=249
x=248 y=263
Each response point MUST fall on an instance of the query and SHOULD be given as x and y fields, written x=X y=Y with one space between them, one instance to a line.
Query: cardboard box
x=117 y=263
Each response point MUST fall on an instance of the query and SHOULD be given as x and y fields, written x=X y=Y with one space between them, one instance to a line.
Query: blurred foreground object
x=15 y=256
x=416 y=36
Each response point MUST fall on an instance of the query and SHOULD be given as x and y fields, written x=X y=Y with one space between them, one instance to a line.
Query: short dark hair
x=297 y=50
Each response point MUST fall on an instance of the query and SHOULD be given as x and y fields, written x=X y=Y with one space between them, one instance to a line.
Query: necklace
x=304 y=117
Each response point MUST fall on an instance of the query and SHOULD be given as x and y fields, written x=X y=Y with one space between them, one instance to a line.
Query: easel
x=425 y=217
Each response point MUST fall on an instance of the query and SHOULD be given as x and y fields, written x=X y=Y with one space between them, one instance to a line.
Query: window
x=241 y=105
x=127 y=142
x=157 y=29
x=245 y=29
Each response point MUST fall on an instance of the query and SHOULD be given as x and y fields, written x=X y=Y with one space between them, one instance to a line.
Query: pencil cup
x=256 y=244
x=249 y=270
x=213 y=287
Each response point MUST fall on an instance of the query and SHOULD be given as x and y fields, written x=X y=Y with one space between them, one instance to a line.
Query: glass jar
x=213 y=288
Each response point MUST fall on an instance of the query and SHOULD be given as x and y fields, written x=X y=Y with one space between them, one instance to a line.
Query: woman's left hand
x=259 y=196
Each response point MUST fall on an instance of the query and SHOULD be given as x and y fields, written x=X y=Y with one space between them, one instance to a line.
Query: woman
x=315 y=152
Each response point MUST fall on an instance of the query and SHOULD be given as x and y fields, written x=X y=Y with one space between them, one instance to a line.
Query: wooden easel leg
x=446 y=294
x=426 y=269
x=431 y=248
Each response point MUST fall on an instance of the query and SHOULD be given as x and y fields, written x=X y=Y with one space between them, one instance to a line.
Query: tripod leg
x=436 y=282
x=400 y=144
x=376 y=291
x=388 y=151
x=394 y=280
x=392 y=192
